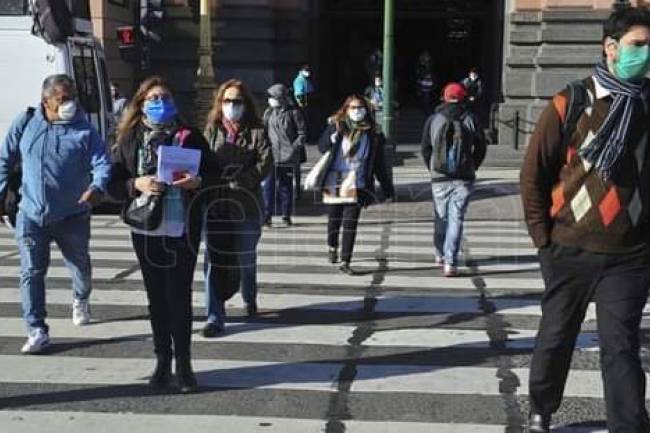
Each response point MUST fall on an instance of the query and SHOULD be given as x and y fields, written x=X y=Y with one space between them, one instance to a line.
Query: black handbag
x=144 y=212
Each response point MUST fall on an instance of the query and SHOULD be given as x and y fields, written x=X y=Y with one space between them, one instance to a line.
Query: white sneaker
x=450 y=270
x=438 y=260
x=80 y=312
x=36 y=341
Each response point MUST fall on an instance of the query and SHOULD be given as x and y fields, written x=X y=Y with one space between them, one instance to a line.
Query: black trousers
x=619 y=286
x=346 y=215
x=167 y=266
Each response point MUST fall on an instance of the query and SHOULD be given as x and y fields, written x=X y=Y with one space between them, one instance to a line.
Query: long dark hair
x=133 y=113
x=215 y=117
x=341 y=114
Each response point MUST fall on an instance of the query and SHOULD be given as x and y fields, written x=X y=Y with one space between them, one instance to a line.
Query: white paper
x=174 y=160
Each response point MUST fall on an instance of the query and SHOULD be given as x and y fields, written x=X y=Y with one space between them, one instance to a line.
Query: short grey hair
x=57 y=80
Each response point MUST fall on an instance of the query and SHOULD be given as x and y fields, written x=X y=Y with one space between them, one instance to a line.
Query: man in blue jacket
x=65 y=169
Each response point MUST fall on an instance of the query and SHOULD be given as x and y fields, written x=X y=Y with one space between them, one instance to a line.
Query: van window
x=13 y=7
x=85 y=76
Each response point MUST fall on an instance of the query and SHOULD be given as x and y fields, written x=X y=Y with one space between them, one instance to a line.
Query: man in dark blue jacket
x=65 y=170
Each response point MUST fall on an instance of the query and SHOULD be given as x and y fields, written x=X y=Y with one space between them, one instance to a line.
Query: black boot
x=251 y=310
x=333 y=255
x=162 y=374
x=345 y=268
x=539 y=423
x=185 y=376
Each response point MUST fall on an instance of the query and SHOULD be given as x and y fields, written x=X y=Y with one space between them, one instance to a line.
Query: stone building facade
x=547 y=43
x=526 y=49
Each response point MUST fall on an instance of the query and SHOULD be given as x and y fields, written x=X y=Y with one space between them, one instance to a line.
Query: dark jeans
x=278 y=191
x=619 y=286
x=167 y=266
x=346 y=215
x=245 y=236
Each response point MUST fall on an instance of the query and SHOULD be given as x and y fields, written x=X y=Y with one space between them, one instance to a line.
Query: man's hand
x=149 y=185
x=91 y=196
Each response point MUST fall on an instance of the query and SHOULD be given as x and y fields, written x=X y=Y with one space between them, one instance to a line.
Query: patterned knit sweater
x=566 y=201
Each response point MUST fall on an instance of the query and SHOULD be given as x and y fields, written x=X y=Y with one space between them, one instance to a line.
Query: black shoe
x=539 y=423
x=185 y=376
x=333 y=255
x=287 y=221
x=346 y=269
x=268 y=223
x=162 y=374
x=251 y=310
x=211 y=330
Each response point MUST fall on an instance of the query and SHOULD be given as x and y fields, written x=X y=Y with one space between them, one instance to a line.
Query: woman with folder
x=166 y=235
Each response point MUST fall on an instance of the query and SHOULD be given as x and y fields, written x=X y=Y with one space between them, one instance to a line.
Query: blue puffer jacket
x=59 y=162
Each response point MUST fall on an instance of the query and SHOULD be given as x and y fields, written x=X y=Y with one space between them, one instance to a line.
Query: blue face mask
x=159 y=111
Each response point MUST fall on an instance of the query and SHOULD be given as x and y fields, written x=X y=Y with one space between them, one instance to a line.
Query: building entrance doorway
x=458 y=35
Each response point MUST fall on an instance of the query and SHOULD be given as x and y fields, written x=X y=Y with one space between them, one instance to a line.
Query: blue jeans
x=246 y=237
x=450 y=199
x=278 y=187
x=72 y=235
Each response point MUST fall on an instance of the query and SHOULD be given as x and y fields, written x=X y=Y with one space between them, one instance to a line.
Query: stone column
x=205 y=77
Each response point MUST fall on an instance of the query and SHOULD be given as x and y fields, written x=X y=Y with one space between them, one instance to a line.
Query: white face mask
x=67 y=110
x=233 y=112
x=357 y=114
x=473 y=77
x=306 y=74
x=274 y=103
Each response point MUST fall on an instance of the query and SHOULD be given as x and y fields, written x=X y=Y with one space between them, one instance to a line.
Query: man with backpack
x=65 y=170
x=585 y=186
x=453 y=148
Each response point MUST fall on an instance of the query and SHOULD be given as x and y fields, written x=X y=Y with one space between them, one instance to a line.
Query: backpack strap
x=571 y=107
x=29 y=114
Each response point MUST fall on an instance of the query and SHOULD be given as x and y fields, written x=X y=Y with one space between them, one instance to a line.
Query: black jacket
x=376 y=164
x=240 y=170
x=287 y=133
x=125 y=171
x=434 y=125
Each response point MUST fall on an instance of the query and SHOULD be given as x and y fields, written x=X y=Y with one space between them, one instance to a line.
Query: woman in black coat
x=356 y=158
x=166 y=253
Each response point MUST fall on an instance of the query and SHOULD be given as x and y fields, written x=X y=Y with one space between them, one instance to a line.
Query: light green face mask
x=633 y=62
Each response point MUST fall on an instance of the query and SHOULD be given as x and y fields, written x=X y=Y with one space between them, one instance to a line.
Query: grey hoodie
x=285 y=126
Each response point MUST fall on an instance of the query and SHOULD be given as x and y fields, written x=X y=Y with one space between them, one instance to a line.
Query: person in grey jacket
x=287 y=132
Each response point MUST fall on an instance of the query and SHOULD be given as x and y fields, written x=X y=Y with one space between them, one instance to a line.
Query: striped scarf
x=353 y=131
x=609 y=144
x=232 y=130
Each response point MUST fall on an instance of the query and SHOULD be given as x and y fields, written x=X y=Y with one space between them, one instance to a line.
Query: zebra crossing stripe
x=319 y=279
x=97 y=422
x=213 y=373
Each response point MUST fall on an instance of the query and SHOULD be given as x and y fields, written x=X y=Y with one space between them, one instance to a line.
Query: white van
x=25 y=61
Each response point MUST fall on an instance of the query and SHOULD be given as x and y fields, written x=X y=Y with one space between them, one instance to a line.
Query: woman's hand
x=187 y=182
x=149 y=185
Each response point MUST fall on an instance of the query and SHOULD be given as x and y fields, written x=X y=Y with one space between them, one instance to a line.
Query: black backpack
x=52 y=20
x=453 y=144
x=11 y=200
